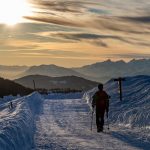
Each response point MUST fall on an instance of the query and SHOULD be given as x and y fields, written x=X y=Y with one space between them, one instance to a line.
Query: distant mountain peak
x=108 y=60
x=120 y=62
x=139 y=60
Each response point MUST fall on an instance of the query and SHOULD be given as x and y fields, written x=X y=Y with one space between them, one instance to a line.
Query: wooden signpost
x=119 y=80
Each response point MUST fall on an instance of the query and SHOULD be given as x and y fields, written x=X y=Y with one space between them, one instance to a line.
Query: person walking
x=101 y=101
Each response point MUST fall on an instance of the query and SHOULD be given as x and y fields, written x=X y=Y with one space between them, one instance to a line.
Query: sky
x=73 y=33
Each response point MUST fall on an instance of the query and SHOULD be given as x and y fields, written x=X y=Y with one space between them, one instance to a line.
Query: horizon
x=113 y=61
x=73 y=33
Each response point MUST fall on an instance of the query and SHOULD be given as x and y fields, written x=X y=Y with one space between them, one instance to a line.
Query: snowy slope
x=17 y=124
x=134 y=110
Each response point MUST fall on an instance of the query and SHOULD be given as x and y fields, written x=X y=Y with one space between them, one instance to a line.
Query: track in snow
x=65 y=125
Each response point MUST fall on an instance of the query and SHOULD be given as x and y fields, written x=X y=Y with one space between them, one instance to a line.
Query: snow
x=8 y=98
x=17 y=124
x=65 y=125
x=134 y=110
x=63 y=95
x=60 y=121
x=132 y=115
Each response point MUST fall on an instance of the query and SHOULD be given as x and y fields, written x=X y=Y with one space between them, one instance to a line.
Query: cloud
x=61 y=6
x=97 y=39
x=6 y=47
x=31 y=32
x=53 y=20
x=51 y=52
x=140 y=19
x=114 y=17
x=80 y=29
x=130 y=25
x=79 y=36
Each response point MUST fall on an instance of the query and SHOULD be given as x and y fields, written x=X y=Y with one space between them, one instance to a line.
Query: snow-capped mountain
x=103 y=71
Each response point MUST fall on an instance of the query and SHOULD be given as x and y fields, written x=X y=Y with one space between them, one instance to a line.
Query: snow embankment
x=134 y=110
x=9 y=98
x=17 y=123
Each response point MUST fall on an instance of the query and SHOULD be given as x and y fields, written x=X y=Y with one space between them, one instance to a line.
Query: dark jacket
x=101 y=101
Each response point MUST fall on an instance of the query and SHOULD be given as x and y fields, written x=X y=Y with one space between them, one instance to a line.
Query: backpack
x=101 y=99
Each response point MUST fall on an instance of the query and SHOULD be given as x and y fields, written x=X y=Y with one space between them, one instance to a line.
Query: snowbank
x=8 y=98
x=17 y=124
x=134 y=110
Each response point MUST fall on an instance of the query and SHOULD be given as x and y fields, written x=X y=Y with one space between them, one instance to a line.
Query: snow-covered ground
x=62 y=122
x=9 y=98
x=134 y=110
x=131 y=117
x=76 y=95
x=65 y=125
x=17 y=124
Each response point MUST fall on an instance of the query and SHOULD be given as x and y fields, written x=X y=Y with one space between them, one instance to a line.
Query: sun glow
x=13 y=11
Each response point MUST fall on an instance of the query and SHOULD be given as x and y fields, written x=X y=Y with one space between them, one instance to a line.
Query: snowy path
x=65 y=125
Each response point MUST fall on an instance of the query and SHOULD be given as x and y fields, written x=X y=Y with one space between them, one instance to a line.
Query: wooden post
x=119 y=80
x=34 y=85
x=11 y=105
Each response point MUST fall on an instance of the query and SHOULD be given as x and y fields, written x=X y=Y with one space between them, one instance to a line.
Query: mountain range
x=99 y=72
x=106 y=70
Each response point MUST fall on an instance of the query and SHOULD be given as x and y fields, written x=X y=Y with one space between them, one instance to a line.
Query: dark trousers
x=100 y=119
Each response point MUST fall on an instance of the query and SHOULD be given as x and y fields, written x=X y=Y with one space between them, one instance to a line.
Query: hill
x=8 y=87
x=50 y=70
x=72 y=82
